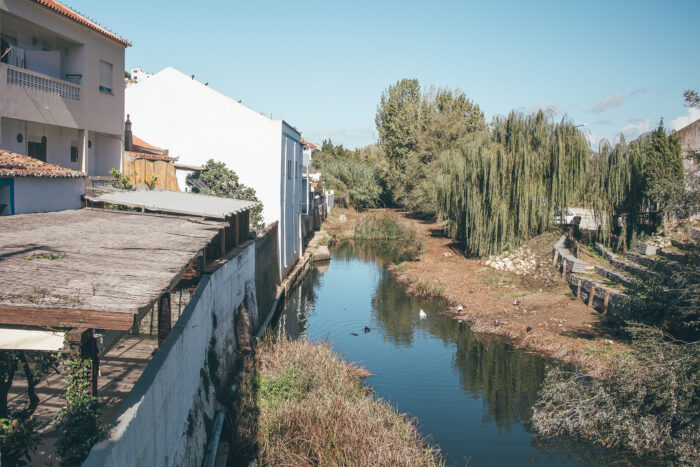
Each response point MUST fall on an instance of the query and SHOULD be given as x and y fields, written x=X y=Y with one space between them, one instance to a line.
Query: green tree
x=398 y=124
x=663 y=168
x=691 y=97
x=218 y=180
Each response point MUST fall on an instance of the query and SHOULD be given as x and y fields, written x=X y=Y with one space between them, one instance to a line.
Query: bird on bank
x=460 y=309
x=422 y=314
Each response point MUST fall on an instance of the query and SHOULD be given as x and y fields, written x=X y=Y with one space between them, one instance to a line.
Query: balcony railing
x=42 y=83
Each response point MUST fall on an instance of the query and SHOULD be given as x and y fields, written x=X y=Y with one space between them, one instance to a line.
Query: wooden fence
x=140 y=172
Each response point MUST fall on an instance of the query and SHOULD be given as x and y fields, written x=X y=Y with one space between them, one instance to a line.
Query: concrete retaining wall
x=162 y=421
x=267 y=277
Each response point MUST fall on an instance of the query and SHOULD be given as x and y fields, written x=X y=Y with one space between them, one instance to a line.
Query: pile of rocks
x=659 y=241
x=521 y=261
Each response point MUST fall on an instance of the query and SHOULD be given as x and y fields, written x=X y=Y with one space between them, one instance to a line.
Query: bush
x=648 y=403
x=402 y=242
x=313 y=410
x=356 y=179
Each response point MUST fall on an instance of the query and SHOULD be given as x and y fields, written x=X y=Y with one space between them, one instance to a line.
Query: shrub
x=648 y=403
x=313 y=410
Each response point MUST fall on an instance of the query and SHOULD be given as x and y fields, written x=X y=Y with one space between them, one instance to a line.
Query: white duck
x=422 y=314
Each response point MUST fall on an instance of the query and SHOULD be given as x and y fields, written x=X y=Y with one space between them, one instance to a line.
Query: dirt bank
x=536 y=311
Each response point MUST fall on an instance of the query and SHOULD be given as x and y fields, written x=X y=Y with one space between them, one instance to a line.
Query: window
x=105 y=77
x=74 y=153
x=37 y=148
x=289 y=170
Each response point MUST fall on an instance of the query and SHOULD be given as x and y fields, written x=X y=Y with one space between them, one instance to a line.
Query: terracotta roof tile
x=310 y=144
x=78 y=18
x=151 y=157
x=17 y=165
x=146 y=147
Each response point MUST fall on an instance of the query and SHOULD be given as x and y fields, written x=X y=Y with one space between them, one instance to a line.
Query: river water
x=472 y=394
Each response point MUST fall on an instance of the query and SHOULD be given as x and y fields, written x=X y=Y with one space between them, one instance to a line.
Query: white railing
x=41 y=83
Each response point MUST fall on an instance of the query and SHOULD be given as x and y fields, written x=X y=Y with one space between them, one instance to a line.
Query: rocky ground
x=516 y=295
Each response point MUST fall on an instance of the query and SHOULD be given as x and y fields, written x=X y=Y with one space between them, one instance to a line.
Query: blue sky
x=322 y=66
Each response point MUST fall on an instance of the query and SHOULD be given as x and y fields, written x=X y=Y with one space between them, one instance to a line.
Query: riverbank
x=535 y=311
x=299 y=404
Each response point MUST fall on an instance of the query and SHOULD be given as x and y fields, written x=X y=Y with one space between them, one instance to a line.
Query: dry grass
x=310 y=409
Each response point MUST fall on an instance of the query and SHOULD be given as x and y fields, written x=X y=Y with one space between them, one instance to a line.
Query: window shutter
x=105 y=76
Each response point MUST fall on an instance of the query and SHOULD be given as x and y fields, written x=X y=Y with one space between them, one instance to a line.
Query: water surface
x=471 y=393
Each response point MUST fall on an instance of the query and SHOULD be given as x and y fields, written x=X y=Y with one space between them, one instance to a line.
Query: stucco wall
x=96 y=111
x=33 y=194
x=151 y=427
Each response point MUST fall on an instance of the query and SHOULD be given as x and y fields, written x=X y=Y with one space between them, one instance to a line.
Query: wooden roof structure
x=93 y=268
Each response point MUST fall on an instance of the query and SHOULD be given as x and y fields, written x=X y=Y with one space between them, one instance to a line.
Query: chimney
x=128 y=142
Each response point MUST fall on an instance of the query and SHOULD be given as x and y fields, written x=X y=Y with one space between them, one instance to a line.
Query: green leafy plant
x=120 y=181
x=79 y=422
x=151 y=184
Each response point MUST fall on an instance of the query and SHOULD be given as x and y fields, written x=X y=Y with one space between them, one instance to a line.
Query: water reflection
x=471 y=393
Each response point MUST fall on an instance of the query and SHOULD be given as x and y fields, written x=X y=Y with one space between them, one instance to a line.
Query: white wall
x=35 y=194
x=151 y=426
x=290 y=202
x=197 y=123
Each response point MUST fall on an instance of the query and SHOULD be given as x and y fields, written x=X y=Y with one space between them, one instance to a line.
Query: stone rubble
x=521 y=261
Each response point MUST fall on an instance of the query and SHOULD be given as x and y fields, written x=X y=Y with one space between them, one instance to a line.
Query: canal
x=472 y=394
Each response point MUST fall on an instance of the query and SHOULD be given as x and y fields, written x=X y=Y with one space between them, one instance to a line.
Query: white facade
x=198 y=123
x=138 y=74
x=61 y=88
x=37 y=194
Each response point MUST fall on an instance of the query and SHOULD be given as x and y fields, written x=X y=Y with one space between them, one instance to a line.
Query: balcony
x=40 y=82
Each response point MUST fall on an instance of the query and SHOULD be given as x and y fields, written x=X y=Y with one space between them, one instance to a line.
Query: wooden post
x=164 y=318
x=578 y=289
x=591 y=296
x=222 y=236
x=556 y=257
x=83 y=346
x=236 y=230
x=563 y=268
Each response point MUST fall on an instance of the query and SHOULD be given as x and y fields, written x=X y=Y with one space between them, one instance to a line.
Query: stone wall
x=162 y=421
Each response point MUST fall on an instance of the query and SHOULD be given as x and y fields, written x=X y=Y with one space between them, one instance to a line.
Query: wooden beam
x=164 y=317
x=65 y=318
x=236 y=230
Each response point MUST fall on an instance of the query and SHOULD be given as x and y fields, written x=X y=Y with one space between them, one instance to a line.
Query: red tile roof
x=151 y=157
x=310 y=144
x=140 y=149
x=17 y=165
x=78 y=18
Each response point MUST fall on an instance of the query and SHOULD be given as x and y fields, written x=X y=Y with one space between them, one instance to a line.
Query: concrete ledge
x=644 y=249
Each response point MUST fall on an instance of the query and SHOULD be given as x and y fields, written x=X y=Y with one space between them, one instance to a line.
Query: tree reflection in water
x=485 y=367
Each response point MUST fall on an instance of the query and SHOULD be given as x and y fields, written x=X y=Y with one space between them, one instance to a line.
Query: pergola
x=84 y=272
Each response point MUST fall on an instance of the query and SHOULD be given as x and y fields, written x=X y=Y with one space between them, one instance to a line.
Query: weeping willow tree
x=501 y=188
x=633 y=187
x=616 y=191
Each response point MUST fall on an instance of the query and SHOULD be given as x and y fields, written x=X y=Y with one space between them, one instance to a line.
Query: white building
x=61 y=86
x=29 y=185
x=138 y=74
x=198 y=123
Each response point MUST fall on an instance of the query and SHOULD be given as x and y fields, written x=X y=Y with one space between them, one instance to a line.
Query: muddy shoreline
x=534 y=312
